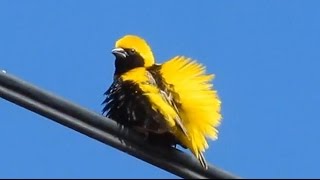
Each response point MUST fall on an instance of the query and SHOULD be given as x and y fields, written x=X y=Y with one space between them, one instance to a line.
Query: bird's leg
x=144 y=132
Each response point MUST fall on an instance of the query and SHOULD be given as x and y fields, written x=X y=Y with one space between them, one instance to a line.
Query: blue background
x=265 y=55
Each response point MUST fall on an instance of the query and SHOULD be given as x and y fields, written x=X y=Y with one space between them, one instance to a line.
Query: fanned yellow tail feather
x=199 y=104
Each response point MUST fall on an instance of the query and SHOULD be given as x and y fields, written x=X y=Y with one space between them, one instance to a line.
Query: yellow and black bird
x=175 y=99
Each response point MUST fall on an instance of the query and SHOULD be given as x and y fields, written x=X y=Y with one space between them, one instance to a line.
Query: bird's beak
x=119 y=52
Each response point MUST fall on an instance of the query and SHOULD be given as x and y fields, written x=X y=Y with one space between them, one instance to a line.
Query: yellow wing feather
x=200 y=105
x=142 y=77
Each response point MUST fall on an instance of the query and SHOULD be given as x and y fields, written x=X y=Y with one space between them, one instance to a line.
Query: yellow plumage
x=200 y=105
x=179 y=90
x=142 y=77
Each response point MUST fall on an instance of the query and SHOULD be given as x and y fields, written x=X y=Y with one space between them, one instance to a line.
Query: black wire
x=103 y=129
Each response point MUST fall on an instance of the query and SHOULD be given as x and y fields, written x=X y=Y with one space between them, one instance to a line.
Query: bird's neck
x=124 y=65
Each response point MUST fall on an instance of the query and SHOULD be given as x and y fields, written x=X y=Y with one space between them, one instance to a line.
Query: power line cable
x=103 y=129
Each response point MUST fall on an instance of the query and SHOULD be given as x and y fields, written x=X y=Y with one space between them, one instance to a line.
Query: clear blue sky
x=265 y=54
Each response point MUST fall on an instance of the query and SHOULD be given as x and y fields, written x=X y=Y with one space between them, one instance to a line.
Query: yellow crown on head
x=140 y=46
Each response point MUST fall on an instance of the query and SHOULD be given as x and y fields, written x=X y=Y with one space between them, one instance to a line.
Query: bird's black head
x=126 y=59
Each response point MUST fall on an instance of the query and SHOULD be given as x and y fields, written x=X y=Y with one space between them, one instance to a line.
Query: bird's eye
x=132 y=51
